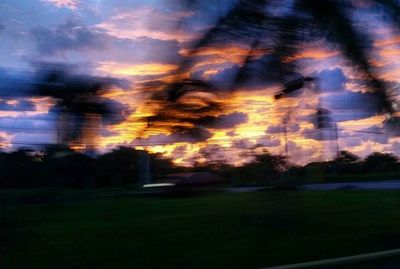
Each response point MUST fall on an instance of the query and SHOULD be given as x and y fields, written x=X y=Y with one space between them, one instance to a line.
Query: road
x=365 y=185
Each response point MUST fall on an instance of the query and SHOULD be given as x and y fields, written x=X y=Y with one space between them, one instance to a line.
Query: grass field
x=251 y=230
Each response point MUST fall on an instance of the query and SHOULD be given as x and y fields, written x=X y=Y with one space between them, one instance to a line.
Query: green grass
x=219 y=231
x=363 y=177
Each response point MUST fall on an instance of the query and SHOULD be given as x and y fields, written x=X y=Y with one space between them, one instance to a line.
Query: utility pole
x=337 y=140
x=286 y=142
x=287 y=173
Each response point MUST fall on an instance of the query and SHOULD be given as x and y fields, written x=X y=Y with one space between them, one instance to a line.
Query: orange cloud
x=314 y=53
x=5 y=140
x=116 y=68
x=259 y=105
x=390 y=52
x=387 y=41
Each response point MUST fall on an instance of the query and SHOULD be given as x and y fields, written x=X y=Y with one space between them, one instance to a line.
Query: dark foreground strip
x=340 y=261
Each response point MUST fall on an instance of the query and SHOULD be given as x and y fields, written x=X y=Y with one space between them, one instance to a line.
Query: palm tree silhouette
x=280 y=37
x=79 y=105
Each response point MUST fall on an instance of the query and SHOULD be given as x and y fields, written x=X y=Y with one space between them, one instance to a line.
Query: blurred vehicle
x=186 y=181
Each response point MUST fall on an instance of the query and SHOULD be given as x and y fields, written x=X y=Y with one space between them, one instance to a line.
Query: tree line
x=55 y=167
x=62 y=167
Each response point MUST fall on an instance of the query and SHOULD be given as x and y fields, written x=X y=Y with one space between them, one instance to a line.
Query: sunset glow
x=151 y=47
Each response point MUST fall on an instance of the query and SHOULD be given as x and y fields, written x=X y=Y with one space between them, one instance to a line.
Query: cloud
x=72 y=35
x=224 y=78
x=266 y=71
x=231 y=133
x=320 y=134
x=124 y=54
x=108 y=133
x=331 y=80
x=213 y=153
x=136 y=69
x=119 y=112
x=4 y=141
x=393 y=125
x=269 y=141
x=147 y=22
x=189 y=135
x=179 y=152
x=276 y=129
x=39 y=124
x=354 y=105
x=301 y=154
x=16 y=84
x=24 y=84
x=242 y=144
x=17 y=105
x=2 y=27
x=225 y=121
x=375 y=134
x=72 y=4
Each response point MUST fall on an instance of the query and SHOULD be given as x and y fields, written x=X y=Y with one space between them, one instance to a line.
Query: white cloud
x=71 y=4
x=146 y=22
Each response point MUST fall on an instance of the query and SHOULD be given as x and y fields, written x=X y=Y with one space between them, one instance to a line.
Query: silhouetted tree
x=117 y=167
x=79 y=103
x=160 y=166
x=345 y=163
x=380 y=162
x=346 y=157
x=265 y=167
x=19 y=169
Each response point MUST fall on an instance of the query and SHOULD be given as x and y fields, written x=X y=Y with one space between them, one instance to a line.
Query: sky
x=141 y=43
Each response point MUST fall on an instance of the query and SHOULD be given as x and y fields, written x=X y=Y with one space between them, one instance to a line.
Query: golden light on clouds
x=124 y=69
x=363 y=123
x=314 y=53
x=258 y=104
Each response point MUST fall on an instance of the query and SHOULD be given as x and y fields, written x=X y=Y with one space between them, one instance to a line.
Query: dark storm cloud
x=152 y=84
x=188 y=135
x=71 y=35
x=23 y=84
x=121 y=112
x=81 y=94
x=223 y=121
